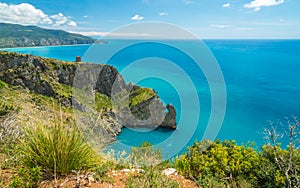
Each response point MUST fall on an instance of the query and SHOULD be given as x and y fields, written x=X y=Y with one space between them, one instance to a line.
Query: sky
x=207 y=19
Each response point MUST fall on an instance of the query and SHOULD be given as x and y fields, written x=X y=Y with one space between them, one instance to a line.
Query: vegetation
x=152 y=178
x=13 y=35
x=36 y=146
x=145 y=155
x=27 y=178
x=218 y=163
x=139 y=95
x=223 y=164
x=102 y=102
x=57 y=149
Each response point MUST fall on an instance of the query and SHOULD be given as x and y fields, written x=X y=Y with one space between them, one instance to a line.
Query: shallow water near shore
x=262 y=81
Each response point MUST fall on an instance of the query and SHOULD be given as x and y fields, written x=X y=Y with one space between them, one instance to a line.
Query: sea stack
x=170 y=118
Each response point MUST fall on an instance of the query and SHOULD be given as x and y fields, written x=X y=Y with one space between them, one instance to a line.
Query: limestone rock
x=169 y=171
x=170 y=118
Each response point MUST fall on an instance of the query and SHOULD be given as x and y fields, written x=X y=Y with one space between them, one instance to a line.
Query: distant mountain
x=13 y=35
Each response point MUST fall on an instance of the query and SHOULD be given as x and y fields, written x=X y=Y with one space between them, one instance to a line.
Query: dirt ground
x=119 y=180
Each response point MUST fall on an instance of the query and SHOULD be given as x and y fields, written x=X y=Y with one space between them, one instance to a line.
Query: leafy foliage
x=224 y=161
x=27 y=178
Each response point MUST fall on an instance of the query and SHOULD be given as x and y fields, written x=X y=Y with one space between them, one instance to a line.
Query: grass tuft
x=57 y=149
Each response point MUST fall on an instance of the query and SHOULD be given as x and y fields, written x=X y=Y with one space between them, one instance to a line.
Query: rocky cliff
x=101 y=102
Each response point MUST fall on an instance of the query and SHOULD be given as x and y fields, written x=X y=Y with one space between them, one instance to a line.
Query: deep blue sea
x=262 y=80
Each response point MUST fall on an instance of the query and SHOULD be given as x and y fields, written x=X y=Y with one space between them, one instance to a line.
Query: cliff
x=94 y=96
x=14 y=35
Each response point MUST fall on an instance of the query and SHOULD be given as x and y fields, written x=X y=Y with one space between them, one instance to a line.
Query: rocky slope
x=93 y=96
x=13 y=35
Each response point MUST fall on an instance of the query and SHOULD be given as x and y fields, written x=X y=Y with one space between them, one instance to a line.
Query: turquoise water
x=262 y=82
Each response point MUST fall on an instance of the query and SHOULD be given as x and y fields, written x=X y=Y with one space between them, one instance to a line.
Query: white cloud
x=72 y=24
x=163 y=14
x=257 y=4
x=23 y=13
x=227 y=5
x=27 y=14
x=137 y=17
x=60 y=19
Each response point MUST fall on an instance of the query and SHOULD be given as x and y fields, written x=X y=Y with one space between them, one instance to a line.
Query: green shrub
x=145 y=155
x=2 y=84
x=26 y=178
x=101 y=170
x=269 y=174
x=225 y=161
x=152 y=178
x=57 y=149
x=6 y=108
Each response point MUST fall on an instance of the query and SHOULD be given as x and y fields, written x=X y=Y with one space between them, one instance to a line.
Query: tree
x=287 y=161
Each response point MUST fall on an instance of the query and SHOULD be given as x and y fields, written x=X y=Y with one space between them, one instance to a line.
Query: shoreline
x=66 y=45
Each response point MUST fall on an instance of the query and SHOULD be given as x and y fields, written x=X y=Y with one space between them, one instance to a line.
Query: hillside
x=13 y=35
x=34 y=88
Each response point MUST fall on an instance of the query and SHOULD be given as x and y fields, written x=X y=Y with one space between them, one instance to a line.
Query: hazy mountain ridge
x=14 y=35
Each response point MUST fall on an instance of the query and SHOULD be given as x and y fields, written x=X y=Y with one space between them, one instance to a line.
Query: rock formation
x=53 y=78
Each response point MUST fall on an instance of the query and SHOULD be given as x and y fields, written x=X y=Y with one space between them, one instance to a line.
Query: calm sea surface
x=262 y=81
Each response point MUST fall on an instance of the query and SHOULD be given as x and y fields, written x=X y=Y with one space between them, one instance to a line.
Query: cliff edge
x=32 y=88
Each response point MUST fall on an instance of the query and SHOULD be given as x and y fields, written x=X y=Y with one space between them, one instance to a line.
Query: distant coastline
x=53 y=46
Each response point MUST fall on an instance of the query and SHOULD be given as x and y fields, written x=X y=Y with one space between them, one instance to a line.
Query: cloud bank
x=27 y=14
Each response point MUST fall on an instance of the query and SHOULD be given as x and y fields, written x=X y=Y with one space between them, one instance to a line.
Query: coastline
x=35 y=47
x=66 y=45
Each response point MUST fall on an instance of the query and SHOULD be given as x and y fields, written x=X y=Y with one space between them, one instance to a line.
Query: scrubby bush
x=219 y=163
x=26 y=178
x=145 y=155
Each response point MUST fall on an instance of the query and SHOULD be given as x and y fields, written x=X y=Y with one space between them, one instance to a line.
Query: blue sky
x=204 y=18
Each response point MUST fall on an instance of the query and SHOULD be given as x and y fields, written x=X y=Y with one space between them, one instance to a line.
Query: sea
x=261 y=79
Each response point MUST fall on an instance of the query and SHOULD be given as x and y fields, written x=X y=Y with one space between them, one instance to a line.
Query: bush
x=57 y=149
x=26 y=178
x=145 y=155
x=226 y=162
x=152 y=178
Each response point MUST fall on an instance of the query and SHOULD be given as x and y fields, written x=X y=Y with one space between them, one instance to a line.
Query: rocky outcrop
x=24 y=71
x=151 y=113
x=53 y=78
x=170 y=118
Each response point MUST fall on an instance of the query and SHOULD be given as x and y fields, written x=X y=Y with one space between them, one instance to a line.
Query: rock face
x=170 y=118
x=53 y=78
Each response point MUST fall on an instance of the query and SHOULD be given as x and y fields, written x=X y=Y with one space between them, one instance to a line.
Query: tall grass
x=57 y=149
